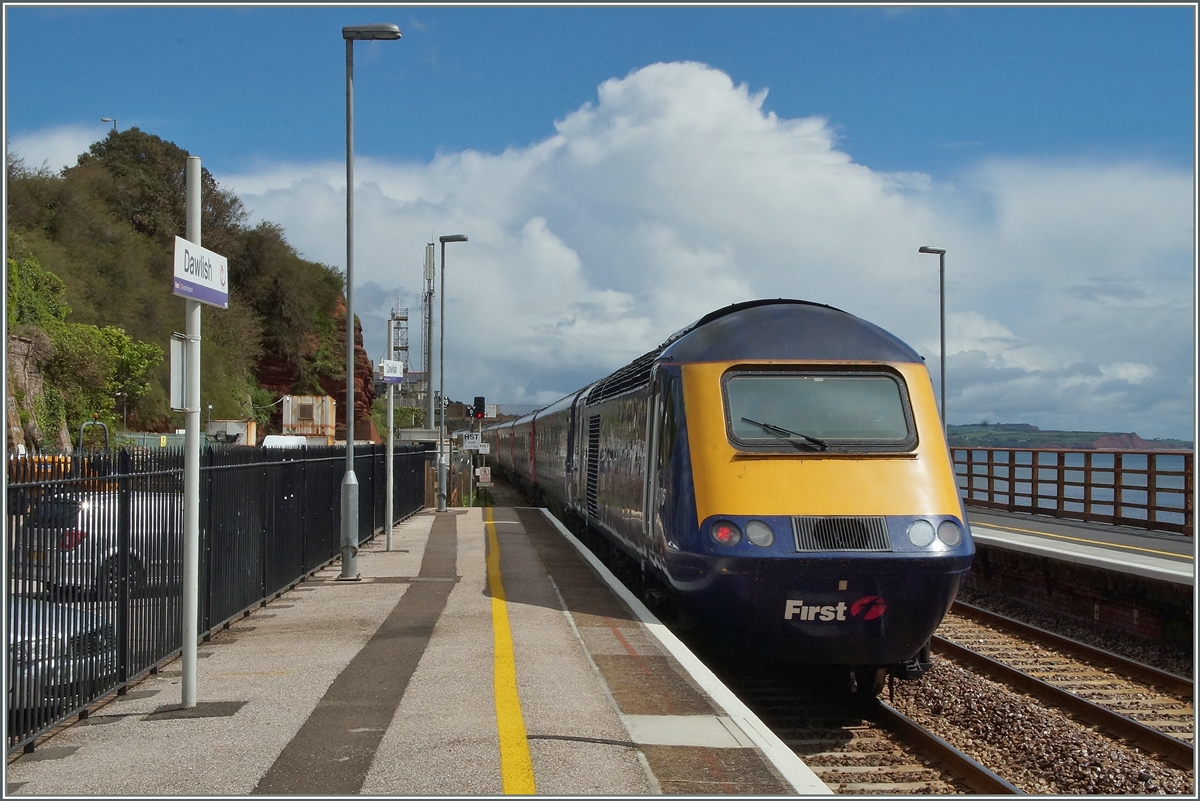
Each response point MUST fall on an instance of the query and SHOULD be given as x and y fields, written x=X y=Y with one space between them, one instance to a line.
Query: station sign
x=471 y=441
x=391 y=371
x=200 y=274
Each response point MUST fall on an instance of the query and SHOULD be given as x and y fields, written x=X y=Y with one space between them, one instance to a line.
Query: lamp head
x=452 y=238
x=927 y=249
x=380 y=30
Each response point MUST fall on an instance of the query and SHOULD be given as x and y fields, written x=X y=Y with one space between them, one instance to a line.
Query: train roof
x=763 y=329
x=784 y=329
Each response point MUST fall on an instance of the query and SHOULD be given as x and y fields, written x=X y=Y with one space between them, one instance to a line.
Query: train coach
x=780 y=468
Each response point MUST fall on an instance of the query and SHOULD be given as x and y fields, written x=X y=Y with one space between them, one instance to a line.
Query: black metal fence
x=95 y=556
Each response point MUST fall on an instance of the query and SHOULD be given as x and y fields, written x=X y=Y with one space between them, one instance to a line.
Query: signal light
x=477 y=412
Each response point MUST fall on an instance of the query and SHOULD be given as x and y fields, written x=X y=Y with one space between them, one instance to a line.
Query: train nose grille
x=841 y=534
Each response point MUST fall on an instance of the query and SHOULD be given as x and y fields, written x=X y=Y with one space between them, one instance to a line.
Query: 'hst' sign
x=200 y=274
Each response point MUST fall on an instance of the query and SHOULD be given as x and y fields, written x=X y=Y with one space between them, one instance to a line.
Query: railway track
x=861 y=746
x=871 y=747
x=1149 y=708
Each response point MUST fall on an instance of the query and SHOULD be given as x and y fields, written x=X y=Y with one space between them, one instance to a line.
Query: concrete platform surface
x=486 y=653
x=1158 y=555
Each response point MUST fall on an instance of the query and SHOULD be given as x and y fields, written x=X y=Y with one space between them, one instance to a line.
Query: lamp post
x=442 y=465
x=113 y=120
x=350 y=482
x=941 y=254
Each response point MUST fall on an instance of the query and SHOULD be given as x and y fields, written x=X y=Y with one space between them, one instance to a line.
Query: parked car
x=73 y=543
x=284 y=441
x=58 y=655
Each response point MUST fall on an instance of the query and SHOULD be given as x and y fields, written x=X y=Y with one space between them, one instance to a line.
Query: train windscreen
x=817 y=411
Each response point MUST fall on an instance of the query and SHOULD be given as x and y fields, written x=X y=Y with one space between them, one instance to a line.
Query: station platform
x=487 y=652
x=1155 y=555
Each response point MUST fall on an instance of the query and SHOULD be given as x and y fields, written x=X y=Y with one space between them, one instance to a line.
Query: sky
x=621 y=171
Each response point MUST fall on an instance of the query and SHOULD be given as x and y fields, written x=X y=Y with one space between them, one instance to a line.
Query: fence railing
x=95 y=556
x=1147 y=489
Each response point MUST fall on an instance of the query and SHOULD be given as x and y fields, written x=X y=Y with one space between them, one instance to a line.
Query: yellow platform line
x=516 y=766
x=1016 y=530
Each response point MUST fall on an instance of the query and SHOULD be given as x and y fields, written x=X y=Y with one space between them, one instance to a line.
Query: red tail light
x=71 y=539
x=726 y=533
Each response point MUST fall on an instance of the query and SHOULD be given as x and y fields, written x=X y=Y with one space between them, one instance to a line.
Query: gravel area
x=1037 y=749
x=1159 y=655
x=503 y=494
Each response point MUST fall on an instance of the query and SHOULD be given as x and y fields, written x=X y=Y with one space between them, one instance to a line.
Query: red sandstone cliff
x=274 y=374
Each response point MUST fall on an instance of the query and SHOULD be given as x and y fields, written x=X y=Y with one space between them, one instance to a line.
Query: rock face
x=274 y=374
x=1130 y=442
x=364 y=384
x=24 y=385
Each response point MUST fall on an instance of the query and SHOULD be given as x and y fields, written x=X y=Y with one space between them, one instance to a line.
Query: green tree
x=106 y=228
x=85 y=367
x=402 y=417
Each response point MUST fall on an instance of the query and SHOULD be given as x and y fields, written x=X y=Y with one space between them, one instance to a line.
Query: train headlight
x=725 y=533
x=949 y=533
x=759 y=533
x=920 y=533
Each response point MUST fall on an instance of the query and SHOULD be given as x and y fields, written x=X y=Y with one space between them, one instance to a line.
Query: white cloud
x=1068 y=284
x=56 y=148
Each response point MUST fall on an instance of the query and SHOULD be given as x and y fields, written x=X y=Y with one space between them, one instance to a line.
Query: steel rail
x=975 y=775
x=1134 y=670
x=1175 y=750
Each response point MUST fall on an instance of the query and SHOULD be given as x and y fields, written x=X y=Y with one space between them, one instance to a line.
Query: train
x=780 y=470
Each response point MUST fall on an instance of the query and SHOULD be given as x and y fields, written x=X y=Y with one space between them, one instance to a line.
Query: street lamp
x=350 y=482
x=113 y=120
x=941 y=254
x=442 y=466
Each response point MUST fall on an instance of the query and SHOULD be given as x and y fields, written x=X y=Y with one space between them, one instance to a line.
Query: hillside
x=91 y=249
x=1023 y=435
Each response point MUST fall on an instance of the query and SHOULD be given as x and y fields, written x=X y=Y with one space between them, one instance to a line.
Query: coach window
x=816 y=411
x=668 y=431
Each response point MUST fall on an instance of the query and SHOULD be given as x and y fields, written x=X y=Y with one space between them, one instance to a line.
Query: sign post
x=471 y=443
x=201 y=276
x=393 y=374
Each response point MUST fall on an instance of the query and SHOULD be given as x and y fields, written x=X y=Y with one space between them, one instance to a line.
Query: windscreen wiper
x=780 y=431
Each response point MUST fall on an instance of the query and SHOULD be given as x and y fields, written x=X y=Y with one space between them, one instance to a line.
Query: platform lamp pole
x=349 y=519
x=442 y=461
x=941 y=254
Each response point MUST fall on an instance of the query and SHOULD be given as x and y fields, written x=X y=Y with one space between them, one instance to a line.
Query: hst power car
x=780 y=468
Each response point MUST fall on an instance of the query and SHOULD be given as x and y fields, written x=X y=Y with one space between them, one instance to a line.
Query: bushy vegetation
x=90 y=264
x=86 y=368
x=402 y=416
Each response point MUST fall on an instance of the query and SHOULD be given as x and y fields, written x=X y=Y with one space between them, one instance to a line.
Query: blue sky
x=909 y=89
x=1041 y=146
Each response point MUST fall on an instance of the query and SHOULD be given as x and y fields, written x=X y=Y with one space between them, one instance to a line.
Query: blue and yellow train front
x=824 y=525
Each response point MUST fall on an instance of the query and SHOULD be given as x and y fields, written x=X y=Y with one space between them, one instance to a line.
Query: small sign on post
x=485 y=476
x=471 y=441
x=485 y=448
x=391 y=371
x=489 y=411
x=177 y=371
x=200 y=274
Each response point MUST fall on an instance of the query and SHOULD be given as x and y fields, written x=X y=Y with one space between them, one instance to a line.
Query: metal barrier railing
x=1146 y=489
x=95 y=557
